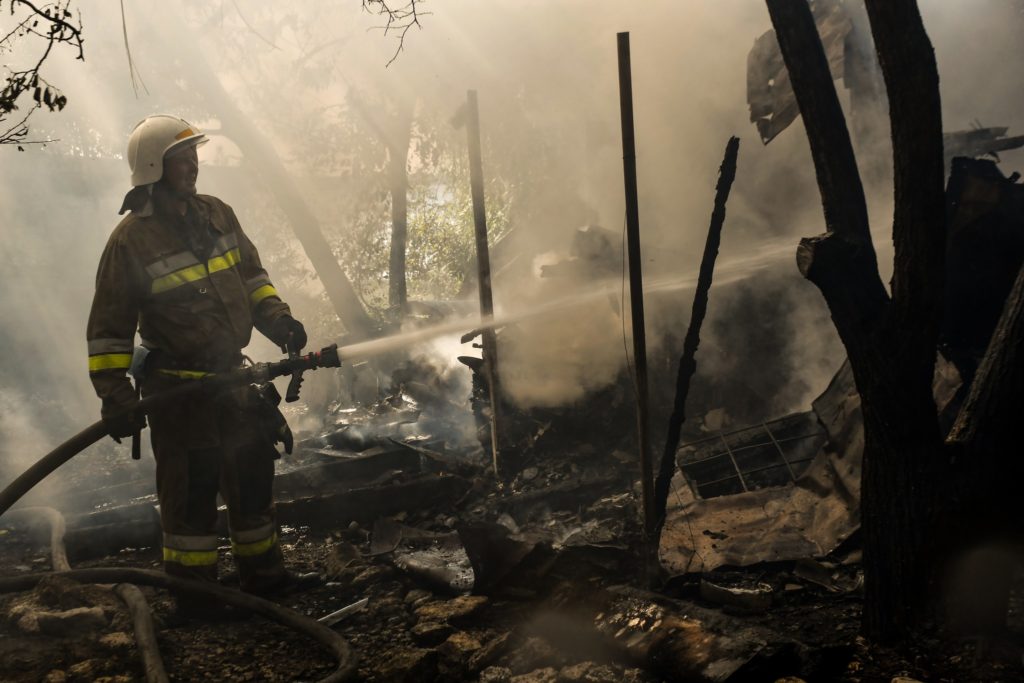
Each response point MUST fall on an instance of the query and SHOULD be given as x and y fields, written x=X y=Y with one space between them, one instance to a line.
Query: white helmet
x=153 y=138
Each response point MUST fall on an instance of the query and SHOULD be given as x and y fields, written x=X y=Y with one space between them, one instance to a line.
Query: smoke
x=554 y=360
x=546 y=75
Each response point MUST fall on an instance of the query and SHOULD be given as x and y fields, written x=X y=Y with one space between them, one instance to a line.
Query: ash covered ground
x=454 y=578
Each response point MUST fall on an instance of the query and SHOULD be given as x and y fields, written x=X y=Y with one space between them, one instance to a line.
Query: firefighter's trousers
x=205 y=445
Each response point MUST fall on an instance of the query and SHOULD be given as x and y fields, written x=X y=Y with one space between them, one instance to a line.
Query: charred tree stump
x=688 y=362
x=890 y=342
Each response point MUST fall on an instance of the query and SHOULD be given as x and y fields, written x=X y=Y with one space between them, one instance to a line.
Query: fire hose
x=294 y=365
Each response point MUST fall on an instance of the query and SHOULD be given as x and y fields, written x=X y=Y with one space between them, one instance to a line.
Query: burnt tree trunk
x=890 y=340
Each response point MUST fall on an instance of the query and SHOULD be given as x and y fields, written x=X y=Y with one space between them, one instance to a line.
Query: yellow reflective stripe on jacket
x=179 y=278
x=110 y=361
x=255 y=548
x=184 y=374
x=225 y=261
x=191 y=558
x=196 y=272
x=262 y=293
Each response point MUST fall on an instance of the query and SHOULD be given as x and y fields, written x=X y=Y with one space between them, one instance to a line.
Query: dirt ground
x=409 y=632
x=568 y=605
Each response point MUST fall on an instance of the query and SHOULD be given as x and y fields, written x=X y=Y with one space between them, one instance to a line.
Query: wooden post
x=636 y=291
x=483 y=262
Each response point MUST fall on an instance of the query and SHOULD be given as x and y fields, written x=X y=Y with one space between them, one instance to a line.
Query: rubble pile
x=436 y=568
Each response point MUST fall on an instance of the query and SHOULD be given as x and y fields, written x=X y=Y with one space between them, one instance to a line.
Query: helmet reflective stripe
x=152 y=139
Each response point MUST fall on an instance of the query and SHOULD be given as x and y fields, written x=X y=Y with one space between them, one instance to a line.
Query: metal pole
x=483 y=263
x=636 y=291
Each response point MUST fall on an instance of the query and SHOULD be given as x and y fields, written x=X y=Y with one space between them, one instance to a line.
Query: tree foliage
x=34 y=29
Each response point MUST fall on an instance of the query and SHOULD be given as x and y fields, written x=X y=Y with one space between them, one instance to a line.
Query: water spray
x=333 y=356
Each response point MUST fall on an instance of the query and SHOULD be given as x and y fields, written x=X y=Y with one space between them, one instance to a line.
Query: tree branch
x=399 y=19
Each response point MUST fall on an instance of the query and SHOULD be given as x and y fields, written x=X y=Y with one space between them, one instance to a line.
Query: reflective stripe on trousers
x=253 y=541
x=190 y=551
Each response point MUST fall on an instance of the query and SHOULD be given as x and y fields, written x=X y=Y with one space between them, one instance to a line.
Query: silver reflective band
x=98 y=346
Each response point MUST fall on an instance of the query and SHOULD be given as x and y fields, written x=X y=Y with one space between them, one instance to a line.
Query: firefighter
x=179 y=271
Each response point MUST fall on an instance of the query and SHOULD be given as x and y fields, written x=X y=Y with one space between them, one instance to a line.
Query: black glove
x=289 y=334
x=124 y=423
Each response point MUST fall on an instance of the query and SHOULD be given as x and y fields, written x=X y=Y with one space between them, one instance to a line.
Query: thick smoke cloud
x=547 y=77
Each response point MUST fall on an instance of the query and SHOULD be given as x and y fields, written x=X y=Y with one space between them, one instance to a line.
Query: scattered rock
x=62 y=593
x=506 y=521
x=430 y=633
x=545 y=675
x=452 y=610
x=343 y=558
x=31 y=653
x=489 y=653
x=26 y=620
x=588 y=672
x=371 y=574
x=56 y=676
x=84 y=670
x=71 y=622
x=495 y=674
x=459 y=646
x=409 y=666
x=535 y=652
x=118 y=640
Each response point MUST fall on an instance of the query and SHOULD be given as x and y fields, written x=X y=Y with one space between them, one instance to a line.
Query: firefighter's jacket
x=197 y=309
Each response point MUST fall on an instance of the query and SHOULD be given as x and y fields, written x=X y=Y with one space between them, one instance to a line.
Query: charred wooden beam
x=365 y=505
x=688 y=362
